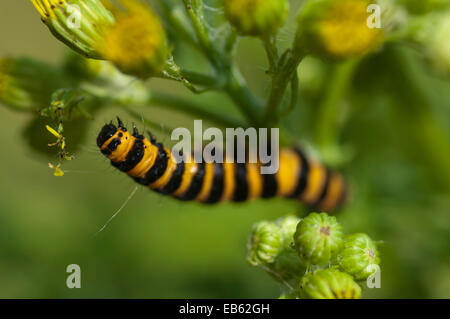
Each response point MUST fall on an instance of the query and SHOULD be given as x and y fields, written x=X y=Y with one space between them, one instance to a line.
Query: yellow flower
x=53 y=132
x=136 y=42
x=57 y=171
x=130 y=35
x=61 y=145
x=344 y=29
x=338 y=29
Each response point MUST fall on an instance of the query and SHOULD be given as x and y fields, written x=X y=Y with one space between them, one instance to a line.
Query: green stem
x=178 y=22
x=188 y=78
x=186 y=106
x=272 y=52
x=280 y=82
x=199 y=78
x=231 y=81
x=294 y=96
x=327 y=120
x=195 y=11
x=238 y=91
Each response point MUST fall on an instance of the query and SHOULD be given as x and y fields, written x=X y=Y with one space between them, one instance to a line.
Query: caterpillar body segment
x=151 y=164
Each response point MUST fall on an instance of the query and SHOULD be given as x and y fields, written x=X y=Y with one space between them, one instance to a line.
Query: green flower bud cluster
x=313 y=257
x=257 y=17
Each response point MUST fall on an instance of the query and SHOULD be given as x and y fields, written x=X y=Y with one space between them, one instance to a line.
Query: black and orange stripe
x=151 y=164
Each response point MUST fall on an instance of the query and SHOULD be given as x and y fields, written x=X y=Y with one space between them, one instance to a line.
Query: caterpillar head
x=115 y=142
x=106 y=133
x=113 y=139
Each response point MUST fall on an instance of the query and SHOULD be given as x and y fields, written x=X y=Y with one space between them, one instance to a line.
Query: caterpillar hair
x=151 y=164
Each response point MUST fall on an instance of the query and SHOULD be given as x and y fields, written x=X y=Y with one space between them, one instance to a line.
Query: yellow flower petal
x=58 y=172
x=52 y=131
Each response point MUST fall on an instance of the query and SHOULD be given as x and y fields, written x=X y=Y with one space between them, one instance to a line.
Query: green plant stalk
x=294 y=96
x=188 y=107
x=231 y=79
x=179 y=104
x=271 y=51
x=327 y=121
x=194 y=9
x=238 y=91
x=280 y=82
x=199 y=78
x=177 y=22
x=234 y=85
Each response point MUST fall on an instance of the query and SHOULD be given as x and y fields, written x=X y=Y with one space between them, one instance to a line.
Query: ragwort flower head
x=337 y=29
x=129 y=35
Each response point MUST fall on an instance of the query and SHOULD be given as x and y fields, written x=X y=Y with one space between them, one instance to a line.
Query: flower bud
x=288 y=226
x=318 y=239
x=132 y=39
x=337 y=29
x=329 y=284
x=265 y=244
x=80 y=24
x=26 y=84
x=136 y=43
x=358 y=256
x=288 y=264
x=257 y=17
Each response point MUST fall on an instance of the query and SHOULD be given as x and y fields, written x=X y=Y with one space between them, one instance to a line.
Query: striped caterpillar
x=151 y=164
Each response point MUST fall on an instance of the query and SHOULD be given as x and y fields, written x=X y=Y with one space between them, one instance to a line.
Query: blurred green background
x=397 y=132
